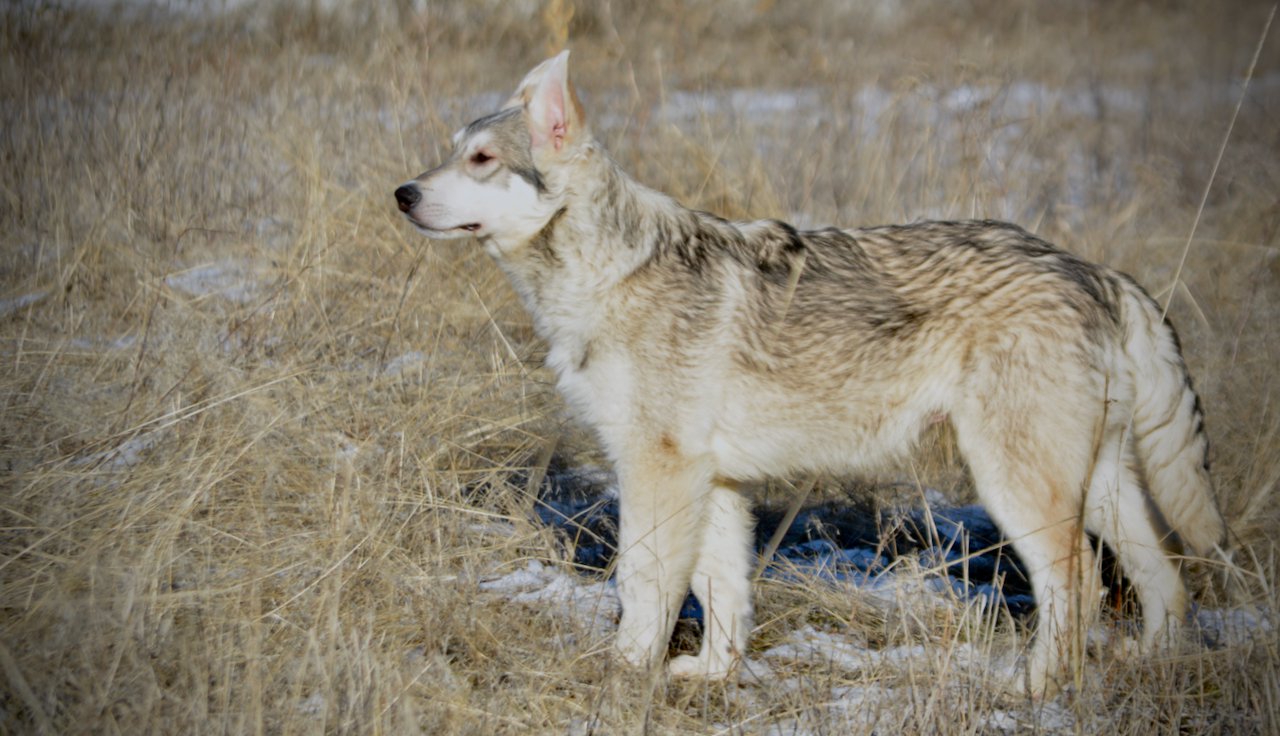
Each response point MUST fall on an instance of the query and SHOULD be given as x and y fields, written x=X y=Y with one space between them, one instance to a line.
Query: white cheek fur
x=505 y=206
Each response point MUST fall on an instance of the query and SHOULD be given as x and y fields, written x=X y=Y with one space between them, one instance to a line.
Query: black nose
x=407 y=196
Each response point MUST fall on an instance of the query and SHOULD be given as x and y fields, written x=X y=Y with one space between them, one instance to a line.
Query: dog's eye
x=480 y=157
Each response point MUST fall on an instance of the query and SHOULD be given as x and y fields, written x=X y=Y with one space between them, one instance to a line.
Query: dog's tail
x=1168 y=426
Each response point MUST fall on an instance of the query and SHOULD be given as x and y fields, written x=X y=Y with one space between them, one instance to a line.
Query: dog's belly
x=756 y=439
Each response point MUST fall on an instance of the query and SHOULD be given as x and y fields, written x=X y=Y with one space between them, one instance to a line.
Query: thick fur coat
x=707 y=353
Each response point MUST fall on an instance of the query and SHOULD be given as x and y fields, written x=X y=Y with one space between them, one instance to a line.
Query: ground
x=270 y=461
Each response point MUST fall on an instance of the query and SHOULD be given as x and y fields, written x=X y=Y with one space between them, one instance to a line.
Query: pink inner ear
x=548 y=110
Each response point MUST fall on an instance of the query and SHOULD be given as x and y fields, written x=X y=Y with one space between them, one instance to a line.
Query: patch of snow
x=534 y=574
x=1226 y=627
x=492 y=528
x=596 y=602
x=273 y=231
x=124 y=342
x=407 y=362
x=13 y=304
x=228 y=279
x=347 y=450
x=808 y=644
x=754 y=103
x=893 y=589
x=852 y=709
x=1049 y=716
x=538 y=583
x=1003 y=721
x=936 y=499
x=215 y=8
x=125 y=455
x=314 y=705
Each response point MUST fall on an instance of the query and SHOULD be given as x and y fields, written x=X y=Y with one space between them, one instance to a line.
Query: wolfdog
x=707 y=353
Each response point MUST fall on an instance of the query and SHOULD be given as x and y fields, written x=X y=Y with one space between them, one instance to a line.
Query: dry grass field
x=264 y=450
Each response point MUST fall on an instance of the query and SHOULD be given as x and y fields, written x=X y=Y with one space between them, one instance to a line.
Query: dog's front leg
x=722 y=583
x=661 y=517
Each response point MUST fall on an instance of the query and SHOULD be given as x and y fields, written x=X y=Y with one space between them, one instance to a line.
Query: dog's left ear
x=556 y=119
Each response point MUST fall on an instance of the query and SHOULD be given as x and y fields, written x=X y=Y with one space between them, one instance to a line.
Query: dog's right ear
x=555 y=114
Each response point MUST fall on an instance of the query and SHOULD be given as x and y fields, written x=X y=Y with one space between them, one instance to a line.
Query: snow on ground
x=124 y=455
x=16 y=303
x=229 y=279
x=862 y=707
x=406 y=363
x=915 y=579
x=595 y=603
x=1234 y=626
x=213 y=8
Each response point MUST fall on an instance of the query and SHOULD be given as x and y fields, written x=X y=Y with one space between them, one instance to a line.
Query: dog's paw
x=1008 y=676
x=1012 y=678
x=688 y=665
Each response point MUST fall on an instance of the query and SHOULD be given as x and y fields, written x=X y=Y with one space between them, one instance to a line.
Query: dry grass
x=258 y=437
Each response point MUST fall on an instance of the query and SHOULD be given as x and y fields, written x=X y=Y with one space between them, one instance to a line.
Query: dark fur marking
x=511 y=137
x=898 y=322
x=1170 y=541
x=668 y=444
x=531 y=175
x=777 y=249
x=1197 y=410
x=543 y=242
x=749 y=361
x=491 y=119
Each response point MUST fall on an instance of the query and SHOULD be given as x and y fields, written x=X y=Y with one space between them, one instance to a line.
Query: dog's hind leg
x=722 y=583
x=1030 y=476
x=661 y=517
x=1123 y=514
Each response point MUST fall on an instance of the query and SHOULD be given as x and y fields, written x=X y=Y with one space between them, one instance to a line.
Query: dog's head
x=502 y=181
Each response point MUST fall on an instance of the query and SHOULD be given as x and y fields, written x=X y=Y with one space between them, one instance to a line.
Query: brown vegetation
x=260 y=441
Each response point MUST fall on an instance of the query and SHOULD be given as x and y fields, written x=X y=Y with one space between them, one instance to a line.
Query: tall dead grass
x=259 y=439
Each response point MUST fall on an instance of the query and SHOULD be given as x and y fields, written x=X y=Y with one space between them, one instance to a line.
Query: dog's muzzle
x=407 y=196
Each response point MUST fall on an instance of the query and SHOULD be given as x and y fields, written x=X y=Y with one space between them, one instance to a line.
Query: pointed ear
x=555 y=114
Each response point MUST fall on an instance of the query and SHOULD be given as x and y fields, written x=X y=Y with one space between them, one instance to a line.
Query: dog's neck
x=608 y=227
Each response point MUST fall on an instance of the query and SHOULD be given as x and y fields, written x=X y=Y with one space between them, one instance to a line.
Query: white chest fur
x=598 y=386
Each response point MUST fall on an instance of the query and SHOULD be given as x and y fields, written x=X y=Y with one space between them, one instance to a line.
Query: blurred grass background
x=259 y=437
